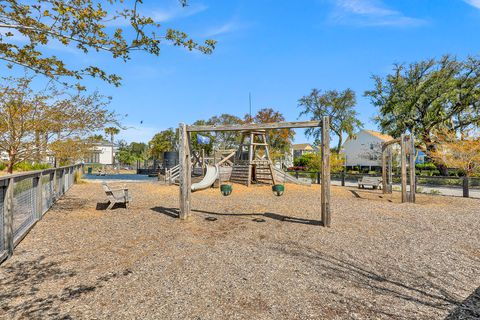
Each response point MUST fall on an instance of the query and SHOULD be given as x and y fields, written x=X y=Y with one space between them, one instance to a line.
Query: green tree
x=166 y=140
x=225 y=139
x=339 y=106
x=131 y=153
x=116 y=27
x=139 y=150
x=428 y=97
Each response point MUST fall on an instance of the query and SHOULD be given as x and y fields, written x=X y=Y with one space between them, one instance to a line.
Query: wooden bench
x=120 y=195
x=374 y=182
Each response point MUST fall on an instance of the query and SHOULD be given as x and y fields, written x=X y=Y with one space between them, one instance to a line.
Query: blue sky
x=279 y=51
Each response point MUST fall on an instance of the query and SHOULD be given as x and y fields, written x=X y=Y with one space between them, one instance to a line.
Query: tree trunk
x=431 y=147
x=11 y=162
x=38 y=147
x=340 y=140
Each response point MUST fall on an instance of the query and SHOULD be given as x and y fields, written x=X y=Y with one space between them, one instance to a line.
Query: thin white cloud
x=160 y=15
x=230 y=26
x=473 y=3
x=370 y=13
x=222 y=29
x=137 y=133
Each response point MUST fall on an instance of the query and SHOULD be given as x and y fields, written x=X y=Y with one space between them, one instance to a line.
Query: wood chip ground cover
x=380 y=260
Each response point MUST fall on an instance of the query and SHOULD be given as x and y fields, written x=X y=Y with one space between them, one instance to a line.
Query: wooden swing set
x=407 y=143
x=185 y=157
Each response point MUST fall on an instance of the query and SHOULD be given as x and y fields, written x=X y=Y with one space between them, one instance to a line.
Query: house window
x=94 y=158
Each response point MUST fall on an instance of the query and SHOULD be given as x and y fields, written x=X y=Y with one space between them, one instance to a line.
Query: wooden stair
x=240 y=174
x=263 y=174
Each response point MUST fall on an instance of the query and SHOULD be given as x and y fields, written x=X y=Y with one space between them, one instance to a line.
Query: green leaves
x=427 y=97
x=82 y=24
x=339 y=106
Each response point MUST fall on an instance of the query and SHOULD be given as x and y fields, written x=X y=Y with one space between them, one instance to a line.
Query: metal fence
x=452 y=186
x=25 y=198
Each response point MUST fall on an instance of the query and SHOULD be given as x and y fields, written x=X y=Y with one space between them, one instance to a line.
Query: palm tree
x=112 y=131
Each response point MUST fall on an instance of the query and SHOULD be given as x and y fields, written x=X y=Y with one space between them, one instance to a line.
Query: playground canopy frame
x=387 y=166
x=185 y=158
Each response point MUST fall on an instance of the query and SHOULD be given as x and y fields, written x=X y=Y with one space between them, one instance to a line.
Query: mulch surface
x=247 y=256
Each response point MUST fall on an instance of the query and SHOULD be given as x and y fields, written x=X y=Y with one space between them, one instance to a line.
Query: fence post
x=403 y=164
x=296 y=174
x=8 y=217
x=55 y=186
x=343 y=179
x=38 y=195
x=466 y=191
x=62 y=181
x=318 y=177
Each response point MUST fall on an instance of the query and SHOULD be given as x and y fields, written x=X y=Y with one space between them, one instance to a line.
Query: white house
x=365 y=149
x=103 y=153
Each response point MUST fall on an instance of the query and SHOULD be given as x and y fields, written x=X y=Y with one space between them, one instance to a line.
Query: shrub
x=26 y=166
x=2 y=166
x=426 y=166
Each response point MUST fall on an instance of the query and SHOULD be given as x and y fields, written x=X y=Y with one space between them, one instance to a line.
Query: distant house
x=365 y=149
x=103 y=153
x=421 y=157
x=300 y=149
x=4 y=156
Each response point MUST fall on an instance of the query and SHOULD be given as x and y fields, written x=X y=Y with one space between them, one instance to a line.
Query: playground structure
x=250 y=165
x=407 y=155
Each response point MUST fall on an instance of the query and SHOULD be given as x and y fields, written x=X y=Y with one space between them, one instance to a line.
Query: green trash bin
x=89 y=170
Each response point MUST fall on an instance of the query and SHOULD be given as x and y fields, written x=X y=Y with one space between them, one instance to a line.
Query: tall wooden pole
x=185 y=172
x=250 y=159
x=412 y=170
x=384 y=169
x=403 y=156
x=390 y=169
x=325 y=188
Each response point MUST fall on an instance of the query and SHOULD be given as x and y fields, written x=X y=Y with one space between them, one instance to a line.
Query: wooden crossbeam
x=256 y=126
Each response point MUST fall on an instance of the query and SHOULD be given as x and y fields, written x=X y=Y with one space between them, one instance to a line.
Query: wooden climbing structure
x=252 y=162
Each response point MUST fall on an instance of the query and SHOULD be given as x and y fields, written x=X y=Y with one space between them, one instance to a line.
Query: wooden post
x=403 y=156
x=38 y=195
x=384 y=169
x=204 y=166
x=466 y=191
x=250 y=159
x=325 y=188
x=8 y=217
x=185 y=172
x=390 y=169
x=413 y=187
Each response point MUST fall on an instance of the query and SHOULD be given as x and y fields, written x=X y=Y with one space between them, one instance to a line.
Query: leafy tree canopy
x=339 y=106
x=31 y=123
x=428 y=97
x=116 y=27
x=163 y=141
